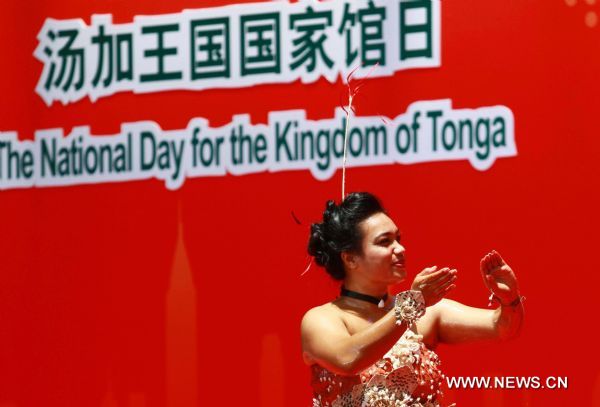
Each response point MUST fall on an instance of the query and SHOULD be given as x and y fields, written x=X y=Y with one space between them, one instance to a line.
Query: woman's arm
x=326 y=340
x=458 y=323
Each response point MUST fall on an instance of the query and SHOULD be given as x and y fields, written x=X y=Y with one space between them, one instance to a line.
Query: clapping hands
x=497 y=275
x=434 y=284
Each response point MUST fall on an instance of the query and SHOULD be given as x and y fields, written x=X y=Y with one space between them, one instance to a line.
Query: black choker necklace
x=380 y=302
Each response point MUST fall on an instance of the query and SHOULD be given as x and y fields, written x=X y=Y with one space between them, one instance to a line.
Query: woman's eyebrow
x=389 y=232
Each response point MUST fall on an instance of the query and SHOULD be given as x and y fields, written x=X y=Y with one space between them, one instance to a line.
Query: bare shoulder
x=428 y=325
x=434 y=311
x=442 y=305
x=321 y=316
x=442 y=308
x=321 y=327
x=449 y=308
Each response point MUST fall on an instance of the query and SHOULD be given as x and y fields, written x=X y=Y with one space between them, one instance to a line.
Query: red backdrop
x=127 y=294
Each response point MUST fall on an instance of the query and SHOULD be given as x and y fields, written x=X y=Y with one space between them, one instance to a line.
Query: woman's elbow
x=345 y=364
x=505 y=334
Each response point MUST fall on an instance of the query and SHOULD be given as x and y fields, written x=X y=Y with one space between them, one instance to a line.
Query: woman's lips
x=398 y=264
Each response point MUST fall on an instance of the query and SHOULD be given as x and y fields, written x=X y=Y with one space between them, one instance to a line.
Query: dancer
x=367 y=348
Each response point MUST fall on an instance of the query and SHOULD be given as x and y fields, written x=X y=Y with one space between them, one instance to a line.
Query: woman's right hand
x=434 y=284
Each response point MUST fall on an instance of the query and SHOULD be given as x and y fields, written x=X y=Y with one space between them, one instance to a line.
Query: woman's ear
x=349 y=259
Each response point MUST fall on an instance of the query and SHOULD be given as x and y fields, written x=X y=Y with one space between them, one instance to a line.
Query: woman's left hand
x=499 y=277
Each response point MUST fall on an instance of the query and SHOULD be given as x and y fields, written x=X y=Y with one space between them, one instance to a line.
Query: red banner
x=161 y=163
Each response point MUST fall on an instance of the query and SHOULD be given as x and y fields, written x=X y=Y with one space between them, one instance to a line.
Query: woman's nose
x=398 y=248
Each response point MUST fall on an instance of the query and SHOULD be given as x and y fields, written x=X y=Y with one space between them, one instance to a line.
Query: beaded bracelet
x=409 y=307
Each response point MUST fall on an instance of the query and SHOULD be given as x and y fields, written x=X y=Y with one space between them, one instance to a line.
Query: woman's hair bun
x=316 y=245
x=330 y=209
x=339 y=231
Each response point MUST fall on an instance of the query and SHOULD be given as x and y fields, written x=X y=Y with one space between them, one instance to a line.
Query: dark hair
x=339 y=231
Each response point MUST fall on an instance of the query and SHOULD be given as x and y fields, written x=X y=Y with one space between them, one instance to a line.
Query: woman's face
x=382 y=257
